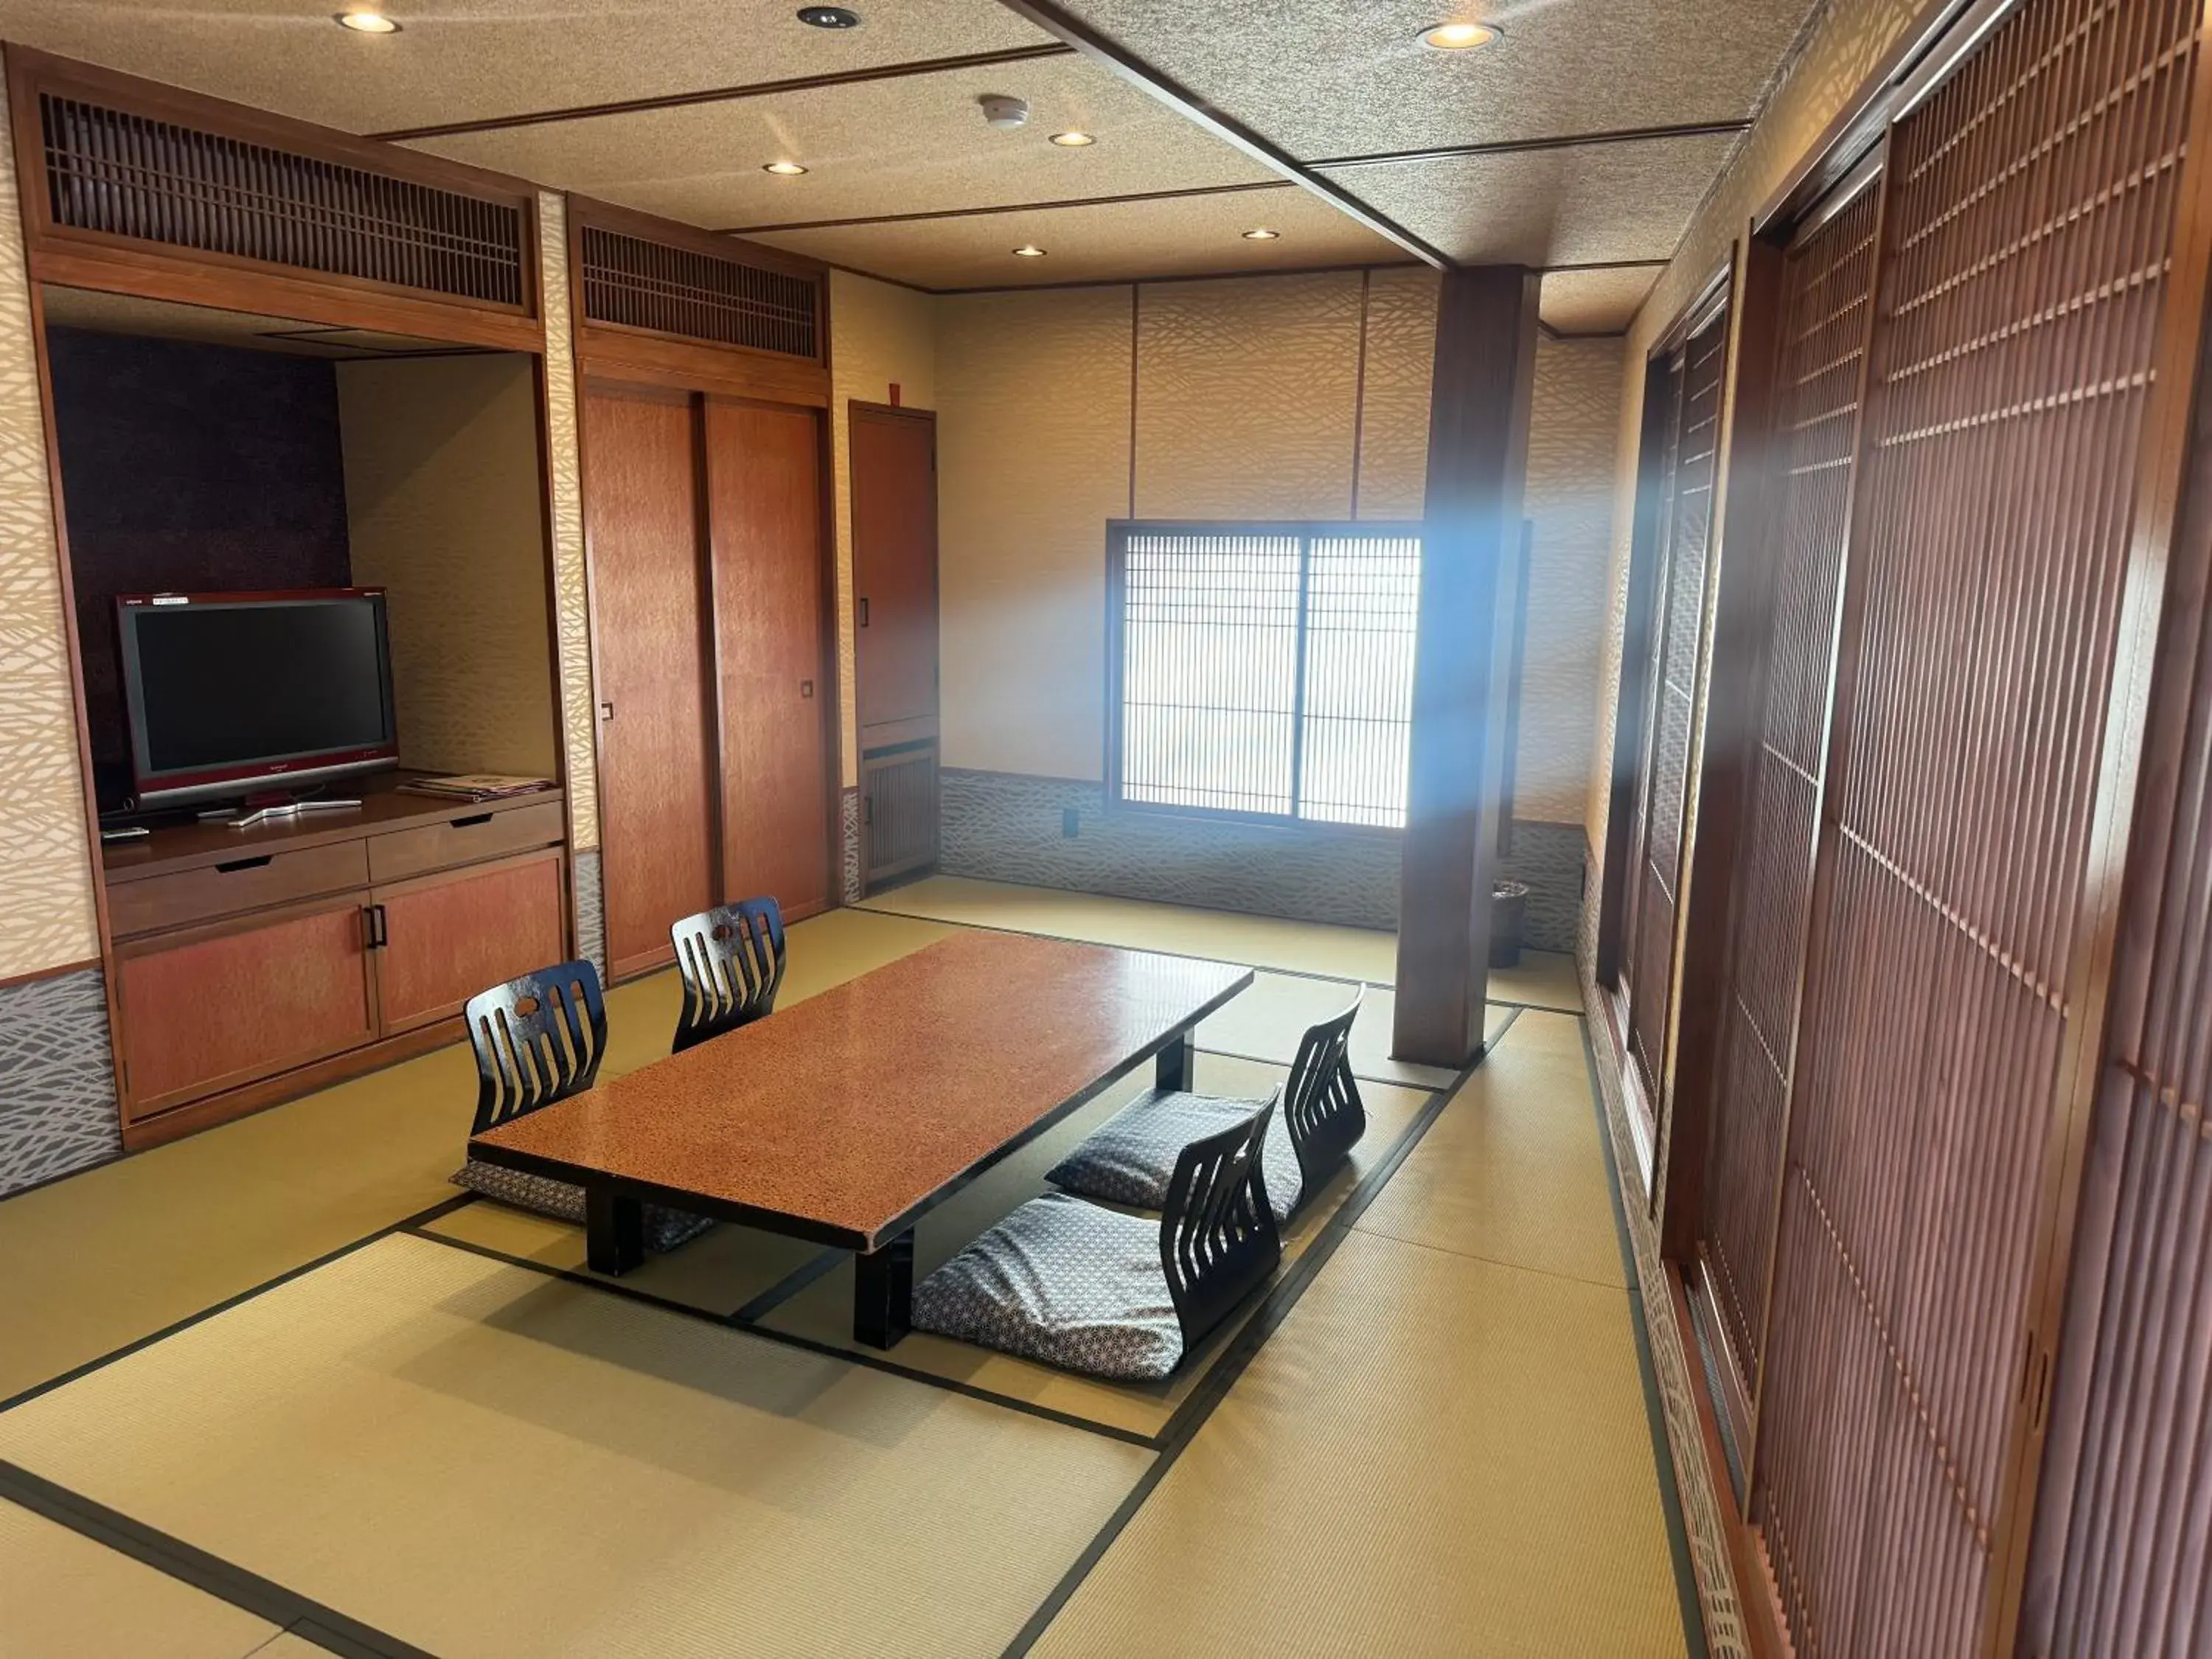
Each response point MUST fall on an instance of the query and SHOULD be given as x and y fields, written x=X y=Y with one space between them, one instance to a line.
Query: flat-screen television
x=224 y=690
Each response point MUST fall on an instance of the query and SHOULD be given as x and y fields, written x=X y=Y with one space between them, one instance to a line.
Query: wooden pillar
x=1479 y=395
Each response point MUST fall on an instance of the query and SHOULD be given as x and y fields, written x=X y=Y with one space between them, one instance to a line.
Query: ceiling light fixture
x=1073 y=139
x=1029 y=251
x=366 y=22
x=830 y=17
x=1261 y=234
x=1459 y=37
x=782 y=169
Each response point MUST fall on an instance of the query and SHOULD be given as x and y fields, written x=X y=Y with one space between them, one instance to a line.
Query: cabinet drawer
x=464 y=838
x=250 y=882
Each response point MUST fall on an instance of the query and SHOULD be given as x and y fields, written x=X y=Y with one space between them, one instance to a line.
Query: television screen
x=221 y=689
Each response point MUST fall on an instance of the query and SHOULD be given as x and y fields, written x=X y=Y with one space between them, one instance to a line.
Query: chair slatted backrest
x=538 y=1039
x=731 y=959
x=1218 y=1237
x=1321 y=1103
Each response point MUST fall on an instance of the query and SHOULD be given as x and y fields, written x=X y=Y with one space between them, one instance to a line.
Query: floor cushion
x=1130 y=1158
x=1064 y=1282
x=664 y=1229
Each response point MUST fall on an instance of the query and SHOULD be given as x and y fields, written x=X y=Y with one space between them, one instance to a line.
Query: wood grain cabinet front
x=441 y=940
x=214 y=1007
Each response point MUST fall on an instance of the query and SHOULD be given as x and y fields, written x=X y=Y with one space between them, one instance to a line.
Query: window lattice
x=1268 y=670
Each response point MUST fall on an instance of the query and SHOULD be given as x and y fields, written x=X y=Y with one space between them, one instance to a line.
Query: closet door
x=894 y=571
x=649 y=657
x=764 y=497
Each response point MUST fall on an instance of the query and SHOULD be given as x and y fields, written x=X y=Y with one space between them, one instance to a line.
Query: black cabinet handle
x=864 y=613
x=245 y=864
x=470 y=822
x=375 y=935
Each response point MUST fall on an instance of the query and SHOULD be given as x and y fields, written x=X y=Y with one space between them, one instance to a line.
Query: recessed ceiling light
x=830 y=17
x=1261 y=234
x=783 y=169
x=1459 y=37
x=367 y=22
x=1029 y=251
x=1072 y=140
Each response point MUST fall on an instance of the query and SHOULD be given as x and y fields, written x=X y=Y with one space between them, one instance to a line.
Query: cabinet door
x=219 y=1006
x=443 y=938
x=895 y=567
x=764 y=495
x=649 y=657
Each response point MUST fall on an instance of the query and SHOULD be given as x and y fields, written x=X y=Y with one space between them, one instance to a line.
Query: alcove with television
x=309 y=568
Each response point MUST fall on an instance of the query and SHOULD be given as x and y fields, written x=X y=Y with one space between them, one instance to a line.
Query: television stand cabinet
x=249 y=966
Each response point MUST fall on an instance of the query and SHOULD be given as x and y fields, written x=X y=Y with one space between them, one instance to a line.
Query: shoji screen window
x=1262 y=670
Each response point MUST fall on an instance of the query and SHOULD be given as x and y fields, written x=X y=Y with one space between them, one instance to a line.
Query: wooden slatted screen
x=635 y=283
x=2124 y=1533
x=1826 y=309
x=129 y=176
x=2027 y=229
x=899 y=810
x=1686 y=519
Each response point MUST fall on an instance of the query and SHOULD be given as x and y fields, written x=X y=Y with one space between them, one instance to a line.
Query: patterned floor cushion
x=1065 y=1282
x=664 y=1229
x=1131 y=1158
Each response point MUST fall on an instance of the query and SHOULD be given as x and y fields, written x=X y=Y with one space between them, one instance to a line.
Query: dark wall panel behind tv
x=189 y=467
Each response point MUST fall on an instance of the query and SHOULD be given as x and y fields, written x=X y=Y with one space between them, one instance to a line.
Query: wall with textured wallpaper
x=445 y=502
x=1277 y=398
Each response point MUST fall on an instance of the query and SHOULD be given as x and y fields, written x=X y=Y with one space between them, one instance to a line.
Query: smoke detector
x=1004 y=114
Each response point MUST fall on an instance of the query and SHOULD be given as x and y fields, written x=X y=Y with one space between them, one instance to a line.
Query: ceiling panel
x=1594 y=301
x=1182 y=237
x=917 y=143
x=1352 y=78
x=460 y=60
x=1553 y=207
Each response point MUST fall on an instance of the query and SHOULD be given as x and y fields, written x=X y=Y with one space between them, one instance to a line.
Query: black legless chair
x=1075 y=1285
x=1130 y=1159
x=539 y=1039
x=731 y=959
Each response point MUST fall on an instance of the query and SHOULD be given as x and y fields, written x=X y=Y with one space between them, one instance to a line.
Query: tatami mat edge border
x=1265 y=1321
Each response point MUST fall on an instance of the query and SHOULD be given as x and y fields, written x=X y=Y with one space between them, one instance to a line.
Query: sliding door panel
x=2027 y=225
x=656 y=759
x=765 y=493
x=1655 y=878
x=1827 y=298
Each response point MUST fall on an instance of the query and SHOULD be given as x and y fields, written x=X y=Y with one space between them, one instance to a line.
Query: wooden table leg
x=882 y=1292
x=614 y=1231
x=1177 y=1066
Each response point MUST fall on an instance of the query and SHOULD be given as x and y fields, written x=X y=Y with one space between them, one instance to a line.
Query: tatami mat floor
x=1432 y=1436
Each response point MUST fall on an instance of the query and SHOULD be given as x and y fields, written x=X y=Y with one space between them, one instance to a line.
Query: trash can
x=1509 y=913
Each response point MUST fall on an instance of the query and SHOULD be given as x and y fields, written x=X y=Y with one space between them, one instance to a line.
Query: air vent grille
x=638 y=284
x=156 y=181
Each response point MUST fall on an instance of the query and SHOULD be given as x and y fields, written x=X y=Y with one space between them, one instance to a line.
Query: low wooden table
x=846 y=1118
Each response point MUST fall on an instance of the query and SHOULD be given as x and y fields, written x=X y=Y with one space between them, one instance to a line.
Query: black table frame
x=883 y=1276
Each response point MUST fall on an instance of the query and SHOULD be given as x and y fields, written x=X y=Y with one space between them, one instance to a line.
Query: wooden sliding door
x=1827 y=281
x=763 y=469
x=1674 y=584
x=1982 y=382
x=649 y=643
